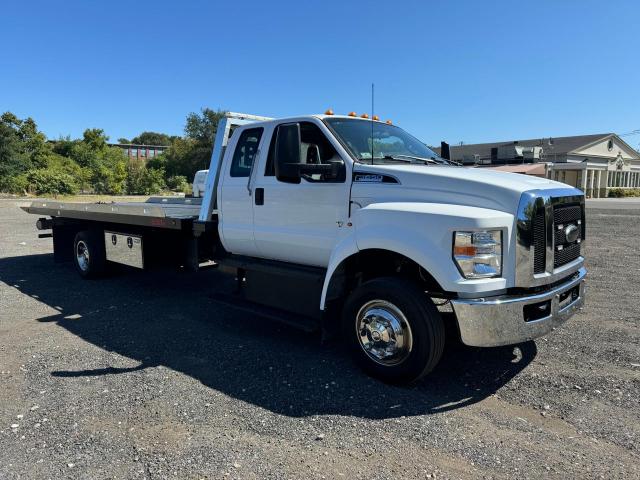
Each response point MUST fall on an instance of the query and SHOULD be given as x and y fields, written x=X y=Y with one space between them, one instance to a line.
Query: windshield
x=389 y=142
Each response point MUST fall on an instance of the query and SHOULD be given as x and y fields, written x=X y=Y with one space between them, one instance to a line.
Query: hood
x=475 y=187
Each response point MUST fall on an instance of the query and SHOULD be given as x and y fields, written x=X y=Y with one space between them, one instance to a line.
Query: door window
x=245 y=153
x=315 y=148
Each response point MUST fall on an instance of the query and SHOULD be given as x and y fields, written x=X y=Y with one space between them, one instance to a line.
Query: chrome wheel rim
x=384 y=332
x=82 y=256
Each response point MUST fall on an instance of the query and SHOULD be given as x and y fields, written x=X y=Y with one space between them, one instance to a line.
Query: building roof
x=528 y=169
x=551 y=146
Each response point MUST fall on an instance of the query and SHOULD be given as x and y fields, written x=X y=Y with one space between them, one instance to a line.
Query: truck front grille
x=563 y=217
x=566 y=255
x=550 y=231
x=539 y=242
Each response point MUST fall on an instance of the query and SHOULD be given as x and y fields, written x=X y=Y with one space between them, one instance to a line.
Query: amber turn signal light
x=465 y=250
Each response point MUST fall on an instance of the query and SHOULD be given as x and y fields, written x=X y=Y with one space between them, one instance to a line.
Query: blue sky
x=469 y=71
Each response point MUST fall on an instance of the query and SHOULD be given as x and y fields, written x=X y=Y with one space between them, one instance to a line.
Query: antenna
x=372 y=112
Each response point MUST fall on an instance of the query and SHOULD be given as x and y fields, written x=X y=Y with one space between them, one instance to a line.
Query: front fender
x=423 y=232
x=343 y=250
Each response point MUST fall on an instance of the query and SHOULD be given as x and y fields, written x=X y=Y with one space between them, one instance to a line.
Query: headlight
x=478 y=254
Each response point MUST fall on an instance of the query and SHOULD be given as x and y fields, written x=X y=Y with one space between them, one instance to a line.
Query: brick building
x=144 y=152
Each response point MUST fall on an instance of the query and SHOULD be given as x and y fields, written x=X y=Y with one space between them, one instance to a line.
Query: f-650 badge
x=369 y=178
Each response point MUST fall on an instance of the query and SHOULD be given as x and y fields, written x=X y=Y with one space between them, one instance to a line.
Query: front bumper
x=511 y=319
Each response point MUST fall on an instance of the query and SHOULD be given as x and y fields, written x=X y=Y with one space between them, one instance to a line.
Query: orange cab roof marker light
x=364 y=115
x=353 y=114
x=376 y=118
x=329 y=111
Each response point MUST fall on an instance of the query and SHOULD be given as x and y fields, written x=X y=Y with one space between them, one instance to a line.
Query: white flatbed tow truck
x=353 y=227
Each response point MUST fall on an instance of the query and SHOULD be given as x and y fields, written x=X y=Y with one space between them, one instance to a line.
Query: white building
x=593 y=163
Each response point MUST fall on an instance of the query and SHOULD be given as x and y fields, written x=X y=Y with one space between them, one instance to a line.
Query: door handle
x=259 y=196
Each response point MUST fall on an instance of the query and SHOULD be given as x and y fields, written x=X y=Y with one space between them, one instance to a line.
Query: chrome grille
x=566 y=255
x=538 y=260
x=563 y=216
x=569 y=213
x=539 y=243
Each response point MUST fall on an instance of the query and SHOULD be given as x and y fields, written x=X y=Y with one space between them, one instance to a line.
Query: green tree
x=46 y=181
x=152 y=138
x=109 y=174
x=159 y=162
x=202 y=127
x=12 y=161
x=95 y=138
x=31 y=143
x=104 y=168
x=142 y=180
x=178 y=183
x=192 y=153
x=64 y=146
x=182 y=158
x=34 y=143
x=22 y=147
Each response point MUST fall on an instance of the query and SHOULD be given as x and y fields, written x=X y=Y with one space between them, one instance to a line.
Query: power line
x=628 y=134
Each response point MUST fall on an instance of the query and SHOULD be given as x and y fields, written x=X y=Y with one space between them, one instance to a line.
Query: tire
x=88 y=254
x=393 y=309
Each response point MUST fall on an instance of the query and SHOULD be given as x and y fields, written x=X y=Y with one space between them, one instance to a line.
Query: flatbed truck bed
x=157 y=212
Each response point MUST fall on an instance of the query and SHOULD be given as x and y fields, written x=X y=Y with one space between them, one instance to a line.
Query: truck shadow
x=169 y=319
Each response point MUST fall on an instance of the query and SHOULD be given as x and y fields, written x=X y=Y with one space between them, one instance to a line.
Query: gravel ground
x=144 y=375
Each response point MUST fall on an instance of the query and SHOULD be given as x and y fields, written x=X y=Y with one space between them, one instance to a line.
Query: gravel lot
x=144 y=375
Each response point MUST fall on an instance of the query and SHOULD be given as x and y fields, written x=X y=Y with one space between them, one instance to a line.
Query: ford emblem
x=571 y=233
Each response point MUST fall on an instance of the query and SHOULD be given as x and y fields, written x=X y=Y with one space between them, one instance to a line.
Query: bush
x=142 y=180
x=16 y=184
x=51 y=182
x=159 y=162
x=109 y=179
x=178 y=183
x=624 y=192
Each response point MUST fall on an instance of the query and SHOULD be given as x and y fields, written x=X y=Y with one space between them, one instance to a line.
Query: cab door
x=301 y=222
x=236 y=206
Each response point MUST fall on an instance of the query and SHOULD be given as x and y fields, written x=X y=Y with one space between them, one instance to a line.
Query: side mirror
x=332 y=169
x=287 y=161
x=445 y=151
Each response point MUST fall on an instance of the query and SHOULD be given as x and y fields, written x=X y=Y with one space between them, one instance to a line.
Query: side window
x=270 y=169
x=315 y=148
x=245 y=153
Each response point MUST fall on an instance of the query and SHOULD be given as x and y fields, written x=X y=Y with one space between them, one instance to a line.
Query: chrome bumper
x=494 y=321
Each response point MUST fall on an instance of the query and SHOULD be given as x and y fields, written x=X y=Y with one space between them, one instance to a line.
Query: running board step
x=298 y=321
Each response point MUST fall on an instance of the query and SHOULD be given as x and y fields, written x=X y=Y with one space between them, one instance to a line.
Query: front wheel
x=393 y=330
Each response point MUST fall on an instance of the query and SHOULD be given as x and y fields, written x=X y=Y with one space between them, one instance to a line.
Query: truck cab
x=359 y=228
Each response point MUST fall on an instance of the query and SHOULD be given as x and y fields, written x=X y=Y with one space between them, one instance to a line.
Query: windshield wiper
x=438 y=160
x=411 y=159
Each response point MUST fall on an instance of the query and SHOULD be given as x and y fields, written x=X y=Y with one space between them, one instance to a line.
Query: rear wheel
x=88 y=254
x=393 y=330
